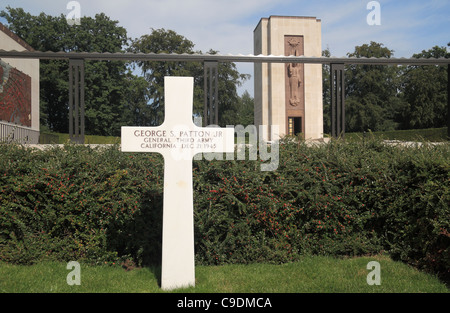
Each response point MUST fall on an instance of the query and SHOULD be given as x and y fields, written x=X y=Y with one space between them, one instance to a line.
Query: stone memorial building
x=289 y=95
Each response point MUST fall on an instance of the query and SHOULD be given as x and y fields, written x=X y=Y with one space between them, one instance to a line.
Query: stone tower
x=289 y=95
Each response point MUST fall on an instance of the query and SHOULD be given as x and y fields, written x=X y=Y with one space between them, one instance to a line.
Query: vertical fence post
x=76 y=100
x=211 y=90
x=337 y=100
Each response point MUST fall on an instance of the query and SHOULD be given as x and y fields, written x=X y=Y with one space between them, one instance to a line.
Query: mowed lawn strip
x=315 y=274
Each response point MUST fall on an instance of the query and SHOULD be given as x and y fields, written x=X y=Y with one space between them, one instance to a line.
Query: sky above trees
x=383 y=98
x=407 y=26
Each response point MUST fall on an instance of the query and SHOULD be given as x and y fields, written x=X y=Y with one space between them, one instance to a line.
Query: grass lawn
x=310 y=275
x=60 y=138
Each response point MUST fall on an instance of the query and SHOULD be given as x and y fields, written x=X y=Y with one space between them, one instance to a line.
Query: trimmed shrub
x=78 y=203
x=343 y=198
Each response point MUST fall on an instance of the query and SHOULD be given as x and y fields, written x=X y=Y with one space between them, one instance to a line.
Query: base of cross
x=178 y=139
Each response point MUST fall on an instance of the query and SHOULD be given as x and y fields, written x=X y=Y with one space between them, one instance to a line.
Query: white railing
x=18 y=134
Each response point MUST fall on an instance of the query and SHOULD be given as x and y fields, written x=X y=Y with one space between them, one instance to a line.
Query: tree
x=229 y=100
x=164 y=41
x=114 y=96
x=241 y=112
x=168 y=41
x=372 y=91
x=245 y=110
x=425 y=91
x=104 y=80
x=136 y=99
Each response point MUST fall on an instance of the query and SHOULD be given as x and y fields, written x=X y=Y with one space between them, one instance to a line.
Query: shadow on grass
x=140 y=238
x=156 y=270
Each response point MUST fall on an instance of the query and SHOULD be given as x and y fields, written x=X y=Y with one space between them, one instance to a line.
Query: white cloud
x=227 y=25
x=210 y=24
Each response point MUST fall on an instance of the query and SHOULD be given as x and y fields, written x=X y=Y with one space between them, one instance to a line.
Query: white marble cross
x=178 y=139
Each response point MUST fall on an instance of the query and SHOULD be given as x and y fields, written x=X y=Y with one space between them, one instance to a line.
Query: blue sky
x=407 y=26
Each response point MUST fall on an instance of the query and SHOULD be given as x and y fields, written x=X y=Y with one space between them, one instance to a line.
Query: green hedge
x=101 y=205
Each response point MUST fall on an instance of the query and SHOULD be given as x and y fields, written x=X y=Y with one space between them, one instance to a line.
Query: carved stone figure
x=293 y=43
x=294 y=84
x=294 y=73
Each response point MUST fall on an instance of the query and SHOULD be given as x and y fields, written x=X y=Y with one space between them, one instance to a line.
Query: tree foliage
x=164 y=41
x=371 y=91
x=114 y=94
x=425 y=92
x=168 y=41
x=104 y=80
x=378 y=97
x=384 y=98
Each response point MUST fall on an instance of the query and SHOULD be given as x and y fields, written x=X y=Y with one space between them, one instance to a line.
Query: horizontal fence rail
x=217 y=57
x=214 y=58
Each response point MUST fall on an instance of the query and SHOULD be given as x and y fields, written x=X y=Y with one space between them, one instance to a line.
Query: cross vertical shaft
x=178 y=139
x=178 y=264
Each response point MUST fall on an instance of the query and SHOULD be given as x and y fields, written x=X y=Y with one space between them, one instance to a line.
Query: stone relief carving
x=294 y=73
x=294 y=84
